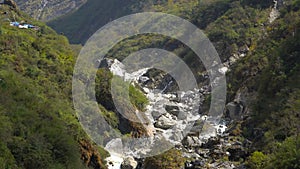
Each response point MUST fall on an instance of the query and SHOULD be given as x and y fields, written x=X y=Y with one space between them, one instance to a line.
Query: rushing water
x=163 y=124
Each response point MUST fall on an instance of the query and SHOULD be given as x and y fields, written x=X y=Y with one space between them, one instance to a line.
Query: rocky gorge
x=205 y=144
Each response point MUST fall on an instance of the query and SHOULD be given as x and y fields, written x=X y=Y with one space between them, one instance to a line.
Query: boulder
x=182 y=115
x=203 y=152
x=129 y=163
x=105 y=63
x=156 y=114
x=235 y=110
x=191 y=141
x=166 y=121
x=172 y=109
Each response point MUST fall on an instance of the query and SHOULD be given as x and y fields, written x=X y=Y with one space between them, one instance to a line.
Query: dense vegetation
x=111 y=114
x=38 y=128
x=171 y=159
x=276 y=111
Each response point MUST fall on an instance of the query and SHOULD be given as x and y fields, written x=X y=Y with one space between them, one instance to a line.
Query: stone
x=191 y=141
x=156 y=114
x=182 y=115
x=223 y=70
x=129 y=163
x=203 y=152
x=166 y=121
x=143 y=79
x=221 y=129
x=172 y=109
x=235 y=110
x=105 y=63
x=243 y=49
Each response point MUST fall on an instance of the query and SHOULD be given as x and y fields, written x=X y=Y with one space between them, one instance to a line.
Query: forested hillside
x=38 y=127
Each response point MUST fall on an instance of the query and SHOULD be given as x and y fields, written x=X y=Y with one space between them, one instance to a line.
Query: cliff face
x=48 y=9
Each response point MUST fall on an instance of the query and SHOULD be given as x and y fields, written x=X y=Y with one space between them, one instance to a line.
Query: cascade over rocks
x=207 y=143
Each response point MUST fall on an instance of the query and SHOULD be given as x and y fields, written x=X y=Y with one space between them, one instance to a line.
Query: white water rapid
x=169 y=116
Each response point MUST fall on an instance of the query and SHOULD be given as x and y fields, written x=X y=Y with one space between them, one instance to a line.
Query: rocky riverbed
x=175 y=116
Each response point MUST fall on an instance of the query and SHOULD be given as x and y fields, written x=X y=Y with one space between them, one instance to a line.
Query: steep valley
x=258 y=42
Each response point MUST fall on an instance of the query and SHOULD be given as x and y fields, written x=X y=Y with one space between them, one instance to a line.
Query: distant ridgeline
x=81 y=24
x=48 y=9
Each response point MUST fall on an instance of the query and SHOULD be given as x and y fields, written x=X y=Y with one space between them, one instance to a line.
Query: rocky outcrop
x=160 y=80
x=129 y=163
x=235 y=110
x=238 y=109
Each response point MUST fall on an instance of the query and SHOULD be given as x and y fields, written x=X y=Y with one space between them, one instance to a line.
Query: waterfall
x=274 y=14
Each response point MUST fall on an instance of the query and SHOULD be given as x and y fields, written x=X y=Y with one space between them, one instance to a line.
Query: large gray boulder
x=166 y=121
x=174 y=110
x=235 y=110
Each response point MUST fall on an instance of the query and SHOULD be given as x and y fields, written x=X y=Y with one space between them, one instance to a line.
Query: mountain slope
x=263 y=55
x=263 y=79
x=81 y=24
x=46 y=10
x=38 y=128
